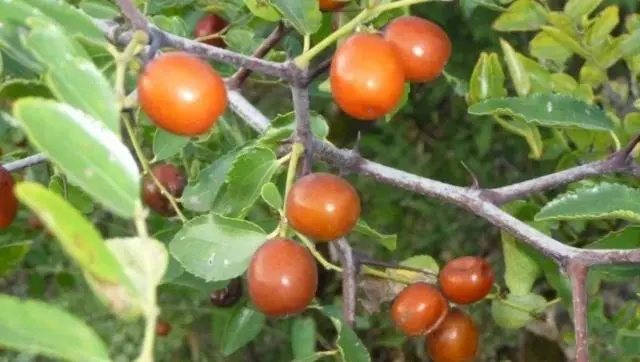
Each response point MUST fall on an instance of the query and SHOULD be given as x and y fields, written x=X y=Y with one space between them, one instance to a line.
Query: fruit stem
x=139 y=220
x=296 y=151
x=303 y=60
x=282 y=160
x=122 y=62
x=396 y=266
x=312 y=248
x=147 y=169
x=531 y=311
x=151 y=316
x=384 y=275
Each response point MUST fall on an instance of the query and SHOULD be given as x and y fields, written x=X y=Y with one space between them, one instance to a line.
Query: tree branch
x=134 y=15
x=272 y=40
x=317 y=71
x=348 y=280
x=280 y=70
x=578 y=273
x=25 y=162
x=303 y=129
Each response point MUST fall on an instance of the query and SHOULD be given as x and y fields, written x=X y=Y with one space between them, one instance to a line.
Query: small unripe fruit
x=467 y=279
x=418 y=309
x=8 y=201
x=172 y=179
x=162 y=328
x=455 y=340
x=282 y=278
x=227 y=296
x=208 y=25
x=323 y=206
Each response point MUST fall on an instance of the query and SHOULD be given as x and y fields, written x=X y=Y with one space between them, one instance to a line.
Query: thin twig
x=25 y=162
x=134 y=15
x=348 y=280
x=237 y=79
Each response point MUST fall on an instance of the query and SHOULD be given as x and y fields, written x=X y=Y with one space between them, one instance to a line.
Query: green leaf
x=349 y=344
x=214 y=247
x=602 y=26
x=271 y=195
x=14 y=89
x=283 y=126
x=521 y=270
x=78 y=236
x=253 y=167
x=242 y=328
x=90 y=155
x=72 y=76
x=172 y=24
x=389 y=241
x=547 y=49
x=99 y=9
x=518 y=73
x=563 y=83
x=167 y=145
x=200 y=195
x=577 y=9
x=36 y=327
x=630 y=45
x=198 y=284
x=74 y=21
x=401 y=104
x=603 y=201
x=521 y=15
x=13 y=49
x=242 y=40
x=487 y=79
x=73 y=194
x=144 y=269
x=156 y=6
x=550 y=110
x=303 y=337
x=566 y=40
x=538 y=75
x=11 y=255
x=507 y=316
x=263 y=9
x=304 y=16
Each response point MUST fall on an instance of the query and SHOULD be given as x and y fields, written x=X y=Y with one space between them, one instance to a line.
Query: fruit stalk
x=145 y=165
x=296 y=151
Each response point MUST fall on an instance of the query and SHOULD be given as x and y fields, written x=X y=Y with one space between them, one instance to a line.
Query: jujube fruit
x=208 y=25
x=182 y=94
x=467 y=279
x=227 y=296
x=424 y=48
x=366 y=77
x=173 y=180
x=322 y=206
x=418 y=309
x=282 y=278
x=455 y=340
x=8 y=201
x=331 y=5
x=162 y=328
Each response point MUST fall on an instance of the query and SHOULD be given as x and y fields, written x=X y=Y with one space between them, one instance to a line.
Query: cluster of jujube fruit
x=422 y=309
x=368 y=71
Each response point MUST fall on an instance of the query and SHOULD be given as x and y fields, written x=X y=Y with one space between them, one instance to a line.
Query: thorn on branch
x=346 y=169
x=25 y=162
x=632 y=144
x=475 y=184
x=238 y=78
x=312 y=74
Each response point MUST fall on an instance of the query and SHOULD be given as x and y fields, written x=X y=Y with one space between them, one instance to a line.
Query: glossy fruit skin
x=282 y=278
x=467 y=279
x=418 y=309
x=227 y=296
x=422 y=45
x=162 y=328
x=8 y=201
x=323 y=206
x=182 y=94
x=210 y=24
x=455 y=340
x=332 y=5
x=366 y=77
x=172 y=179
